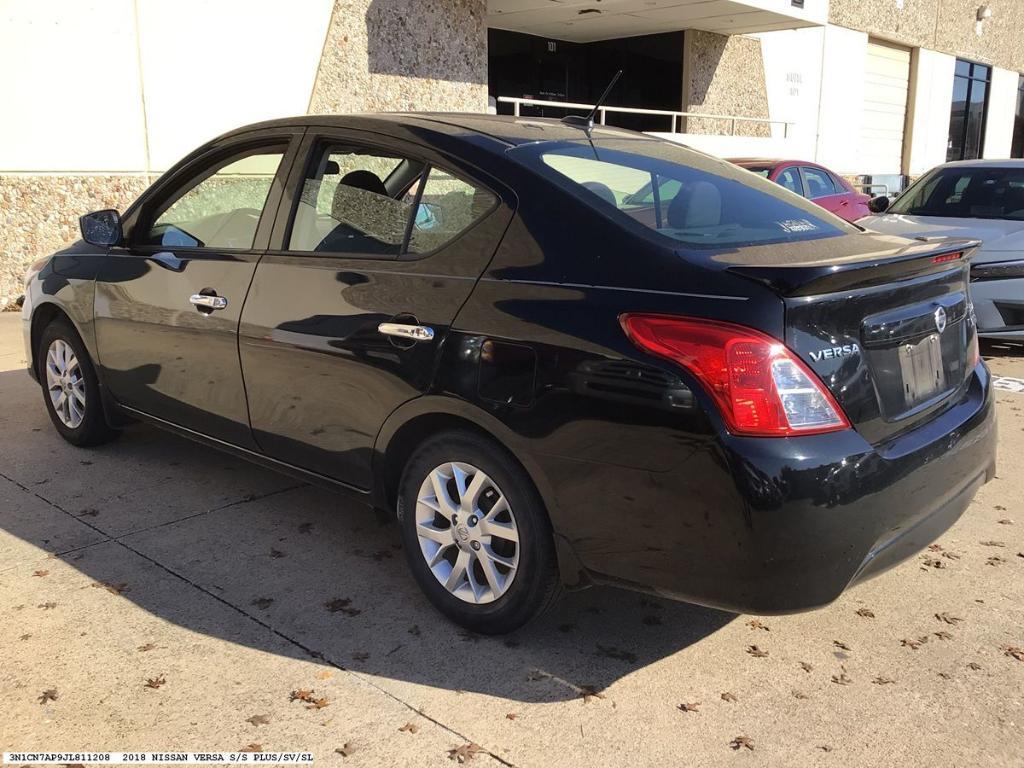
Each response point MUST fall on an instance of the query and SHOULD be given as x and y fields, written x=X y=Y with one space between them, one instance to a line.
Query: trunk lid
x=890 y=330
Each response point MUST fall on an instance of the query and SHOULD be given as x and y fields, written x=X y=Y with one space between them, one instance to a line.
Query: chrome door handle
x=209 y=302
x=411 y=332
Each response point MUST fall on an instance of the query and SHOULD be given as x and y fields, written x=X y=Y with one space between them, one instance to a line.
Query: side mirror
x=878 y=204
x=101 y=228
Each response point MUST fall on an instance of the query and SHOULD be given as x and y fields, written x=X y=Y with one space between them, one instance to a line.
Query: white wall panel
x=931 y=99
x=1002 y=106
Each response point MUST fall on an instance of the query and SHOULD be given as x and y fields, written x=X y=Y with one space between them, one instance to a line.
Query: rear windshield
x=684 y=195
x=966 y=193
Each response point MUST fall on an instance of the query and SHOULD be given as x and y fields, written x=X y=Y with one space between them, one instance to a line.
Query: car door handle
x=403 y=331
x=208 y=302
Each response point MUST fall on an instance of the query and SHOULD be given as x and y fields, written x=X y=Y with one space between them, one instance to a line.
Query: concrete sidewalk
x=155 y=559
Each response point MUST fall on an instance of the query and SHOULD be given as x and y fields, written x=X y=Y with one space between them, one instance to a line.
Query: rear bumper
x=813 y=515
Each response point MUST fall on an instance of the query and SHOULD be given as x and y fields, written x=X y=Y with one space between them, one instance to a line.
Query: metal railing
x=602 y=113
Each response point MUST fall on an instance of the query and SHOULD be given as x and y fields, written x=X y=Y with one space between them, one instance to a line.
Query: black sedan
x=559 y=354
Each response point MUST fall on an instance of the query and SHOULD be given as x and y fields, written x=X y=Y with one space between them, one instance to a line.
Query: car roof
x=511 y=131
x=1005 y=163
x=772 y=161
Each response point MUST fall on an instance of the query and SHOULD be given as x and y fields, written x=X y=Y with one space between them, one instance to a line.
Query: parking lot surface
x=158 y=595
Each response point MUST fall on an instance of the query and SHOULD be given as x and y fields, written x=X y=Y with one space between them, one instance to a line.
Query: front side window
x=222 y=210
x=790 y=179
x=701 y=201
x=966 y=193
x=819 y=183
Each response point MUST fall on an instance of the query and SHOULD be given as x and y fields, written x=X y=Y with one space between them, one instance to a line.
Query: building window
x=1017 y=150
x=970 y=107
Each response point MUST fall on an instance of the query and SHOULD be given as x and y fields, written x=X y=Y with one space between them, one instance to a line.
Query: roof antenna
x=587 y=123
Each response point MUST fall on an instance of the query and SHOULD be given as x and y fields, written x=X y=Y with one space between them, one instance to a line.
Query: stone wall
x=379 y=57
x=947 y=26
x=39 y=215
x=725 y=76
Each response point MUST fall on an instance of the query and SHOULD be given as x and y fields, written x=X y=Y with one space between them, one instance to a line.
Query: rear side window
x=681 y=194
x=221 y=210
x=819 y=183
x=363 y=202
x=790 y=179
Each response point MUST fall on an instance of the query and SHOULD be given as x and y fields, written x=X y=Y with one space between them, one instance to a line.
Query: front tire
x=71 y=390
x=476 y=534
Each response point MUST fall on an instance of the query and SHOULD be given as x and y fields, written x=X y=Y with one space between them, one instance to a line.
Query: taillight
x=759 y=386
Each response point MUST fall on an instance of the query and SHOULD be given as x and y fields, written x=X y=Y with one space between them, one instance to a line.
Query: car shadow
x=992 y=349
x=212 y=543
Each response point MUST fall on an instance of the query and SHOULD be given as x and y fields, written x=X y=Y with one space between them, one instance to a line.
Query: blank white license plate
x=922 y=369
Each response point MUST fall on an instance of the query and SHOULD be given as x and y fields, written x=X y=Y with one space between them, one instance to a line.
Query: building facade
x=100 y=96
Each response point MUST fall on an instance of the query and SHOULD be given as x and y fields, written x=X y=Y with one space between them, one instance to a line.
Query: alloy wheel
x=65 y=384
x=467 y=532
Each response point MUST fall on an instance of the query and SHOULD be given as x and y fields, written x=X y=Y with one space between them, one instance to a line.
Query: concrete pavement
x=229 y=587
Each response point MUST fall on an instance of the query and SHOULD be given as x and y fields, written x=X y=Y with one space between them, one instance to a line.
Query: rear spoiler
x=927 y=256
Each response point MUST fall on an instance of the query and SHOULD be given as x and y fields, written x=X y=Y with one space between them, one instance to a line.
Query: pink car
x=817 y=183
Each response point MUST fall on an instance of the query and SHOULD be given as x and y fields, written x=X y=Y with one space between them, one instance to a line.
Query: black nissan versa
x=560 y=356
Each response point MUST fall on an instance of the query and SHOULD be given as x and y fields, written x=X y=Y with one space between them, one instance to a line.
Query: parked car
x=982 y=199
x=726 y=395
x=815 y=182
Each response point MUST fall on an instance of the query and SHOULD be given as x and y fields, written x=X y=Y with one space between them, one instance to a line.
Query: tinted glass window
x=1017 y=148
x=819 y=183
x=223 y=209
x=973 y=193
x=447 y=206
x=354 y=201
x=968 y=111
x=790 y=179
x=714 y=203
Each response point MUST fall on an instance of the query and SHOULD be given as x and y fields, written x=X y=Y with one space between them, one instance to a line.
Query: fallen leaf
x=146 y=647
x=1013 y=651
x=742 y=741
x=414 y=630
x=347 y=749
x=824 y=747
x=1005 y=521
x=931 y=562
x=511 y=716
x=469 y=637
x=465 y=752
x=756 y=652
x=805 y=666
x=728 y=697
x=992 y=543
x=954 y=620
x=995 y=560
x=883 y=681
x=409 y=728
x=360 y=655
x=935 y=547
x=865 y=613
x=114 y=589
x=755 y=624
x=615 y=653
x=841 y=645
x=945 y=675
x=25 y=637
x=50 y=694
x=318 y=703
x=276 y=553
x=974 y=665
x=694 y=707
x=588 y=692
x=155 y=682
x=252 y=748
x=47 y=606
x=841 y=679
x=88 y=513
x=342 y=604
x=41 y=573
x=951 y=555
x=799 y=694
x=263 y=602
x=324 y=674
x=258 y=719
x=943 y=635
x=302 y=694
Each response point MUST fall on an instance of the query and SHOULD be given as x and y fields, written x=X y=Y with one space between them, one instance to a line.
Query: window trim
x=192 y=176
x=318 y=138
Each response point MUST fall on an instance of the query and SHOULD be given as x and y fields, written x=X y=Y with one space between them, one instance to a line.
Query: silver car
x=981 y=199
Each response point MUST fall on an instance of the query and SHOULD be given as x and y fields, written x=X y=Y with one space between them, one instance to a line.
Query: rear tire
x=70 y=388
x=494 y=567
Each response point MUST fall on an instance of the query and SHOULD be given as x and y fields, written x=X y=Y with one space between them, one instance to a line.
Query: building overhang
x=589 y=20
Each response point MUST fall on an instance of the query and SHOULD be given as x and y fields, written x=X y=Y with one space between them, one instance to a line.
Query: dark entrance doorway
x=555 y=70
